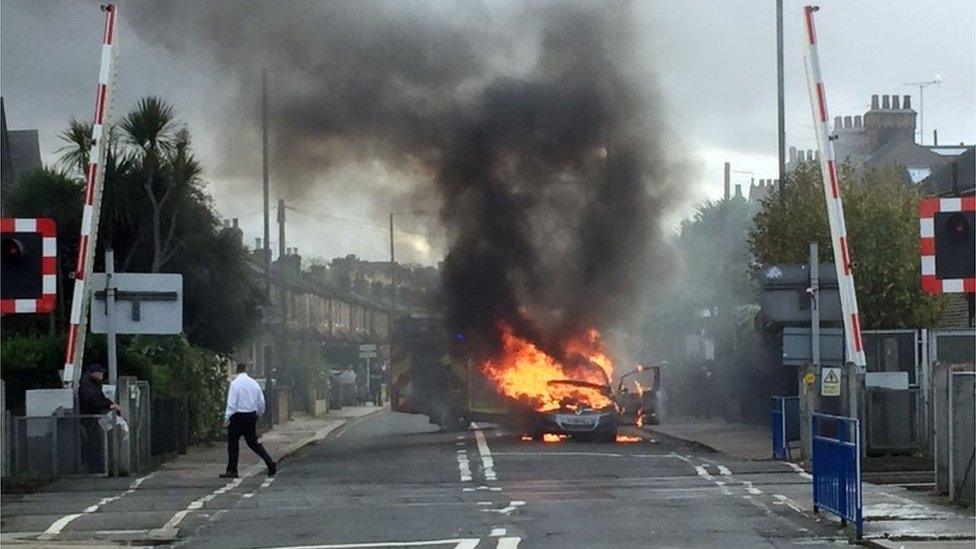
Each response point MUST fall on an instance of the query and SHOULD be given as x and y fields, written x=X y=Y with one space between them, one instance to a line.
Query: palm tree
x=76 y=153
x=150 y=128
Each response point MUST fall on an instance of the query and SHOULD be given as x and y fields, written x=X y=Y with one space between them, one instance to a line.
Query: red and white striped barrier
x=75 y=348
x=835 y=206
x=49 y=264
x=927 y=208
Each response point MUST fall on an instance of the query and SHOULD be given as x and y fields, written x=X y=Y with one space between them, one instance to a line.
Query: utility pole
x=266 y=185
x=393 y=284
x=281 y=228
x=780 y=100
x=728 y=180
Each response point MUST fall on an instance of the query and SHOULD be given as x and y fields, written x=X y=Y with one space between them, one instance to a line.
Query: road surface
x=392 y=480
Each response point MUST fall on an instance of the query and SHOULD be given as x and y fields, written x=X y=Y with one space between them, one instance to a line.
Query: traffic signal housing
x=948 y=244
x=28 y=265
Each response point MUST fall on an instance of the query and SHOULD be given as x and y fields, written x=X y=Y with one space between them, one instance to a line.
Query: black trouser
x=244 y=424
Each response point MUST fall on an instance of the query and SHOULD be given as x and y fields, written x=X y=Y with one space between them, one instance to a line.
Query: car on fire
x=578 y=419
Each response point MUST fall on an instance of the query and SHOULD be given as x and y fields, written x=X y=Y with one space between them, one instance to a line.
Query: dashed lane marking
x=482 y=488
x=724 y=470
x=59 y=524
x=464 y=466
x=487 y=462
x=702 y=472
x=512 y=506
x=508 y=543
x=497 y=532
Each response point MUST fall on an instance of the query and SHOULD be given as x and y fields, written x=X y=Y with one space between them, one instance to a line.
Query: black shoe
x=228 y=474
x=272 y=469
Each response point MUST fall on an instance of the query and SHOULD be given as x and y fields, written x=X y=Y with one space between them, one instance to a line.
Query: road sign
x=784 y=297
x=948 y=241
x=29 y=265
x=830 y=382
x=368 y=350
x=144 y=303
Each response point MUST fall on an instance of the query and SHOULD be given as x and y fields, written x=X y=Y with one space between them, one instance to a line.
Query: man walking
x=245 y=401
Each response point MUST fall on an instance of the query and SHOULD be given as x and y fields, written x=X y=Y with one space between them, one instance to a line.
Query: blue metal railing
x=837 y=468
x=785 y=426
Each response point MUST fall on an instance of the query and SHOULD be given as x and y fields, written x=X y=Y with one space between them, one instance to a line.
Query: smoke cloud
x=530 y=130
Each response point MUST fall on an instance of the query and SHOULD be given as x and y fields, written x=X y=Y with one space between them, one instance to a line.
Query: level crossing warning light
x=947 y=227
x=28 y=270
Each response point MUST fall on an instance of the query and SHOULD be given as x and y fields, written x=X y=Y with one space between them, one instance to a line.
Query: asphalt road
x=392 y=480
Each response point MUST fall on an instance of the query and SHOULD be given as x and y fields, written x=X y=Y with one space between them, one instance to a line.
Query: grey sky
x=713 y=62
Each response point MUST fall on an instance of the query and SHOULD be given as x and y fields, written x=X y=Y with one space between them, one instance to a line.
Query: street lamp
x=921 y=103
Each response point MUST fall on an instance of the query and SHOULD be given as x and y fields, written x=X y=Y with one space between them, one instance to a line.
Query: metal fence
x=837 y=468
x=52 y=446
x=785 y=427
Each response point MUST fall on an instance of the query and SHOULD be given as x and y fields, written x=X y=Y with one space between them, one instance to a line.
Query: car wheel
x=610 y=437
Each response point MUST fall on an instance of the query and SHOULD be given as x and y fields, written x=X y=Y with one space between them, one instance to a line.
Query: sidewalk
x=893 y=516
x=158 y=505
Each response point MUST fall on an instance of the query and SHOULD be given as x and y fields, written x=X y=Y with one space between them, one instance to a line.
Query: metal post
x=780 y=100
x=393 y=285
x=282 y=251
x=266 y=185
x=113 y=365
x=368 y=381
x=815 y=304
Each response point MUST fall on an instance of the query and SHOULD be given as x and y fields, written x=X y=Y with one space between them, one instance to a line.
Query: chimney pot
x=906 y=102
x=895 y=103
x=858 y=123
x=257 y=243
x=837 y=123
x=792 y=155
x=886 y=102
x=233 y=222
x=848 y=122
x=874 y=102
x=738 y=190
x=801 y=156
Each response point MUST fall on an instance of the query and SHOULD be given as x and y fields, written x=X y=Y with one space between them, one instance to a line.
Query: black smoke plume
x=527 y=127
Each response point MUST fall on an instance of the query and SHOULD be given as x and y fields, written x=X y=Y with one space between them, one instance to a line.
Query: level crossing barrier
x=785 y=428
x=837 y=468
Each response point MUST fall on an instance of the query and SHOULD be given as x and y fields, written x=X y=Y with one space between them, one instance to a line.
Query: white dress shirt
x=244 y=395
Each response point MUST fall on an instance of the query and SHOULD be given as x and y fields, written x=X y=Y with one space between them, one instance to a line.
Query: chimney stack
x=886 y=102
x=728 y=179
x=874 y=102
x=906 y=102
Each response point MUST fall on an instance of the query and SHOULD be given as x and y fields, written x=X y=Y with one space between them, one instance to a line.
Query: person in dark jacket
x=91 y=401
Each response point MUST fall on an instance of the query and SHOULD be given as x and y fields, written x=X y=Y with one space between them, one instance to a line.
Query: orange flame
x=525 y=373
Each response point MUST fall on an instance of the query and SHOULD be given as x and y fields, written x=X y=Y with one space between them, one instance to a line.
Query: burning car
x=579 y=416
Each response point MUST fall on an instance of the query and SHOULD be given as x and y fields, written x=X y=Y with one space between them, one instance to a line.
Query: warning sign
x=830 y=382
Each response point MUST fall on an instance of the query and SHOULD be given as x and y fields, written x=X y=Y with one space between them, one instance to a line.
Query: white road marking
x=59 y=524
x=200 y=502
x=486 y=460
x=685 y=459
x=750 y=488
x=799 y=470
x=497 y=532
x=506 y=510
x=702 y=472
x=464 y=467
x=460 y=543
x=783 y=500
x=724 y=470
x=484 y=503
x=508 y=543
x=483 y=487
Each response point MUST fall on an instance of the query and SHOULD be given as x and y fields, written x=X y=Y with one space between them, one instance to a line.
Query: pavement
x=894 y=516
x=155 y=507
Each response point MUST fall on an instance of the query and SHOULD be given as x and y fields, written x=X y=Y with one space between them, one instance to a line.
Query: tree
x=151 y=129
x=76 y=152
x=880 y=208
